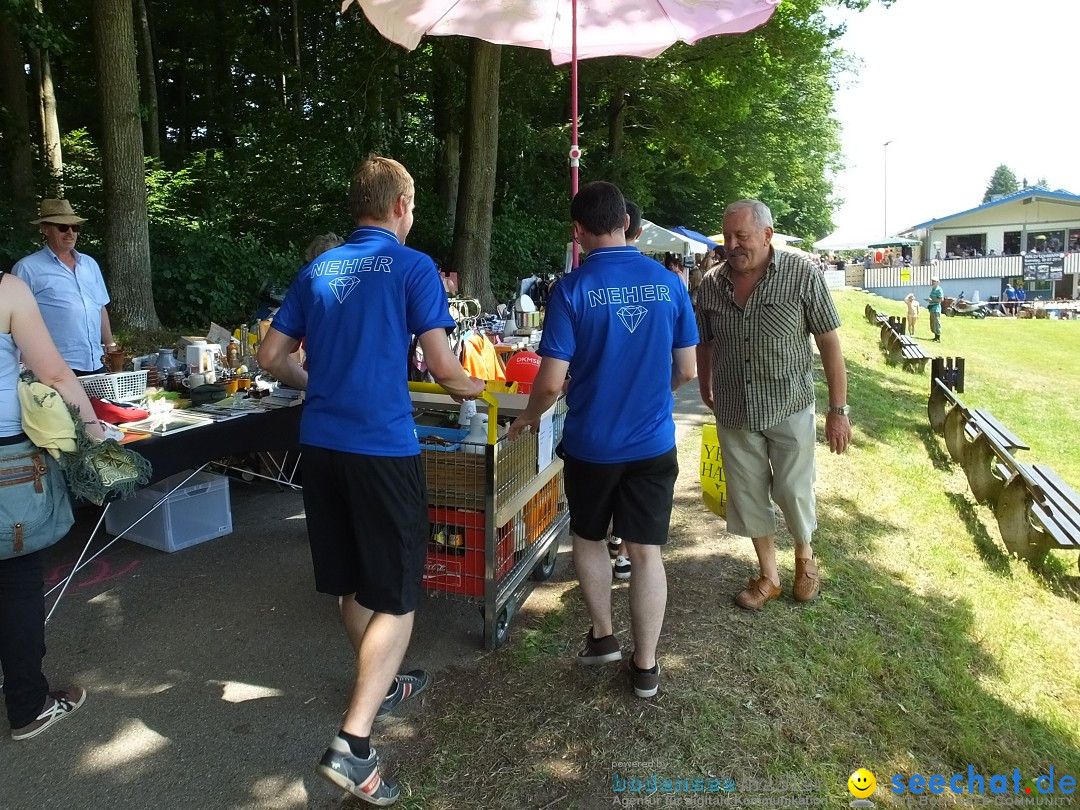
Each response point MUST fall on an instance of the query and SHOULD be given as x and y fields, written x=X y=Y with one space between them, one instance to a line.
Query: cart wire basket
x=126 y=386
x=495 y=511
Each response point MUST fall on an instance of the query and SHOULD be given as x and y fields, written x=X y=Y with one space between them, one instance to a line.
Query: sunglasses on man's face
x=66 y=228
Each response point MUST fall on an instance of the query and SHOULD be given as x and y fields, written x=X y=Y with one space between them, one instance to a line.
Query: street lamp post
x=885 y=190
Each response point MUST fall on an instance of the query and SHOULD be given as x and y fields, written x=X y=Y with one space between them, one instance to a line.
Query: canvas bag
x=35 y=508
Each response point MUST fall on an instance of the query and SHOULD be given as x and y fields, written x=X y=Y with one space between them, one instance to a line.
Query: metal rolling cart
x=496 y=510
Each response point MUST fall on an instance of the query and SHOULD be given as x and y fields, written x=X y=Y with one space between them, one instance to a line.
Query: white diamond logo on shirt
x=341 y=287
x=631 y=316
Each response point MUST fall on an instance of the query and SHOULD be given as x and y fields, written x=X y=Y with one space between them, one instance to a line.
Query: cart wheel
x=980 y=314
x=546 y=567
x=502 y=626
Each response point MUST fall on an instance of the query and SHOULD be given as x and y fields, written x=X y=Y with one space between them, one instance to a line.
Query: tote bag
x=35 y=509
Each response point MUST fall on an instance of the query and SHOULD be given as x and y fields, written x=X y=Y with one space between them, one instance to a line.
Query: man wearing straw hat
x=69 y=290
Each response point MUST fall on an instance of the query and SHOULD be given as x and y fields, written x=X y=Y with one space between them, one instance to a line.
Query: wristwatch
x=842 y=410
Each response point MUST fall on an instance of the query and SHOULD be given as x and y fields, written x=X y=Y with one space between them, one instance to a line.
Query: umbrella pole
x=575 y=151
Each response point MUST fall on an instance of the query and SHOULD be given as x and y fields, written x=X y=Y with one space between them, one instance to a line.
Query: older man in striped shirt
x=756 y=313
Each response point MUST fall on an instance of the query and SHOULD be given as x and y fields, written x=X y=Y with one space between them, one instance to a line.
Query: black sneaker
x=599 y=650
x=622 y=567
x=645 y=681
x=614 y=546
x=58 y=705
x=410 y=684
x=361 y=777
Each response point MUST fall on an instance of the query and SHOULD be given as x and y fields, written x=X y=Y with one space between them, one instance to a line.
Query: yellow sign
x=905 y=274
x=713 y=483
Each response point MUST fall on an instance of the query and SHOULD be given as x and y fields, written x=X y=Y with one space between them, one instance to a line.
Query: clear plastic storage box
x=198 y=511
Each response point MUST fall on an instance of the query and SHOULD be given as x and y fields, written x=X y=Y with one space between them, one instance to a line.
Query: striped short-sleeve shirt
x=762 y=362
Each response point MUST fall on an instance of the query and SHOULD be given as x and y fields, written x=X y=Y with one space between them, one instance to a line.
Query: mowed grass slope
x=929 y=650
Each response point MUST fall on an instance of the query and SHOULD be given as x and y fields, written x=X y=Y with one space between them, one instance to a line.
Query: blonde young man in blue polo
x=756 y=313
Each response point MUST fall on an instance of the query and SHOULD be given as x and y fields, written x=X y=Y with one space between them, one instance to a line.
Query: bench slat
x=1063 y=504
x=1004 y=436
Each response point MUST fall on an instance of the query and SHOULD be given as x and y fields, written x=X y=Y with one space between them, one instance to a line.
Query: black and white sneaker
x=408 y=685
x=599 y=650
x=622 y=567
x=58 y=705
x=361 y=777
x=646 y=682
x=614 y=546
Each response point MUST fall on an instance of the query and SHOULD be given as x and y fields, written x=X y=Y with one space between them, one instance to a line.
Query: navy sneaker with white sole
x=406 y=686
x=361 y=777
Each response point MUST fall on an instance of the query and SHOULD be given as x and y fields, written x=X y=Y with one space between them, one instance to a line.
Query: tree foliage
x=263 y=112
x=1002 y=182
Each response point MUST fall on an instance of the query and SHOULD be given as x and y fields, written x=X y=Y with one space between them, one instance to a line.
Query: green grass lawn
x=929 y=650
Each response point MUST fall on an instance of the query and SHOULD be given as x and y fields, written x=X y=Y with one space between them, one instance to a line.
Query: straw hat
x=58 y=211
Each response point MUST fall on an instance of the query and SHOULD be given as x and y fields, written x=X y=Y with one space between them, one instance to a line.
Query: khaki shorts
x=776 y=464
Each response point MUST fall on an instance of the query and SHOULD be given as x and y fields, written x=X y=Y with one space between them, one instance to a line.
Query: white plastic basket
x=123 y=387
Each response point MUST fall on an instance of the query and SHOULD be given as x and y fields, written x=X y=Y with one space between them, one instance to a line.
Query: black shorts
x=634 y=497
x=367 y=526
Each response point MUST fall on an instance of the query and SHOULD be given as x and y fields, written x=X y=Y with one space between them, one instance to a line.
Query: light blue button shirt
x=70 y=303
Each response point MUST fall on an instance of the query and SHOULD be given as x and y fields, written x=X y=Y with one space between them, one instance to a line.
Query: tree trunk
x=148 y=82
x=472 y=228
x=298 y=83
x=223 y=81
x=182 y=110
x=126 y=225
x=51 y=154
x=16 y=119
x=448 y=174
x=616 y=122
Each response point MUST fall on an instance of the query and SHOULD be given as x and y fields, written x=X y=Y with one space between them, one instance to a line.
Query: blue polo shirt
x=357 y=307
x=70 y=302
x=616 y=320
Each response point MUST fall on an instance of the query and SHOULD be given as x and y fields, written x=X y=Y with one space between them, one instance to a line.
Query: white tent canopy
x=832 y=243
x=655 y=239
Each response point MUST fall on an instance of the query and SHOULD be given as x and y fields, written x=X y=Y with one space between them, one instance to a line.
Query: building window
x=1074 y=240
x=965 y=246
x=1011 y=244
x=1050 y=241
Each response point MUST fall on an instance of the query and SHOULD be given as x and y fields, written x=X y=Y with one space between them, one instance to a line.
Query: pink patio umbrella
x=569 y=29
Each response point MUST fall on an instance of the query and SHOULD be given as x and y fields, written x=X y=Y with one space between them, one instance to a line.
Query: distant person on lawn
x=912 y=313
x=365 y=496
x=623 y=327
x=933 y=306
x=756 y=314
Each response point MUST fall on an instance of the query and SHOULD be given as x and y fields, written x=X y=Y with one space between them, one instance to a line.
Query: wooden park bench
x=901 y=349
x=1035 y=509
x=912 y=355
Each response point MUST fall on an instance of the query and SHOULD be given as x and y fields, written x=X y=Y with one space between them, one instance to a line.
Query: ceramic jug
x=166 y=361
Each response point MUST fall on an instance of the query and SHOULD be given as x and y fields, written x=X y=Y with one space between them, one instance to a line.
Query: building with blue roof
x=1031 y=219
x=1030 y=239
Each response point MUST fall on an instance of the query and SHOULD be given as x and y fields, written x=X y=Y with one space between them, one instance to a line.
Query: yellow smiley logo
x=861 y=783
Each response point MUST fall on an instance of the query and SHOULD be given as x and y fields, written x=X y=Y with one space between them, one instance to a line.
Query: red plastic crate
x=455 y=558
